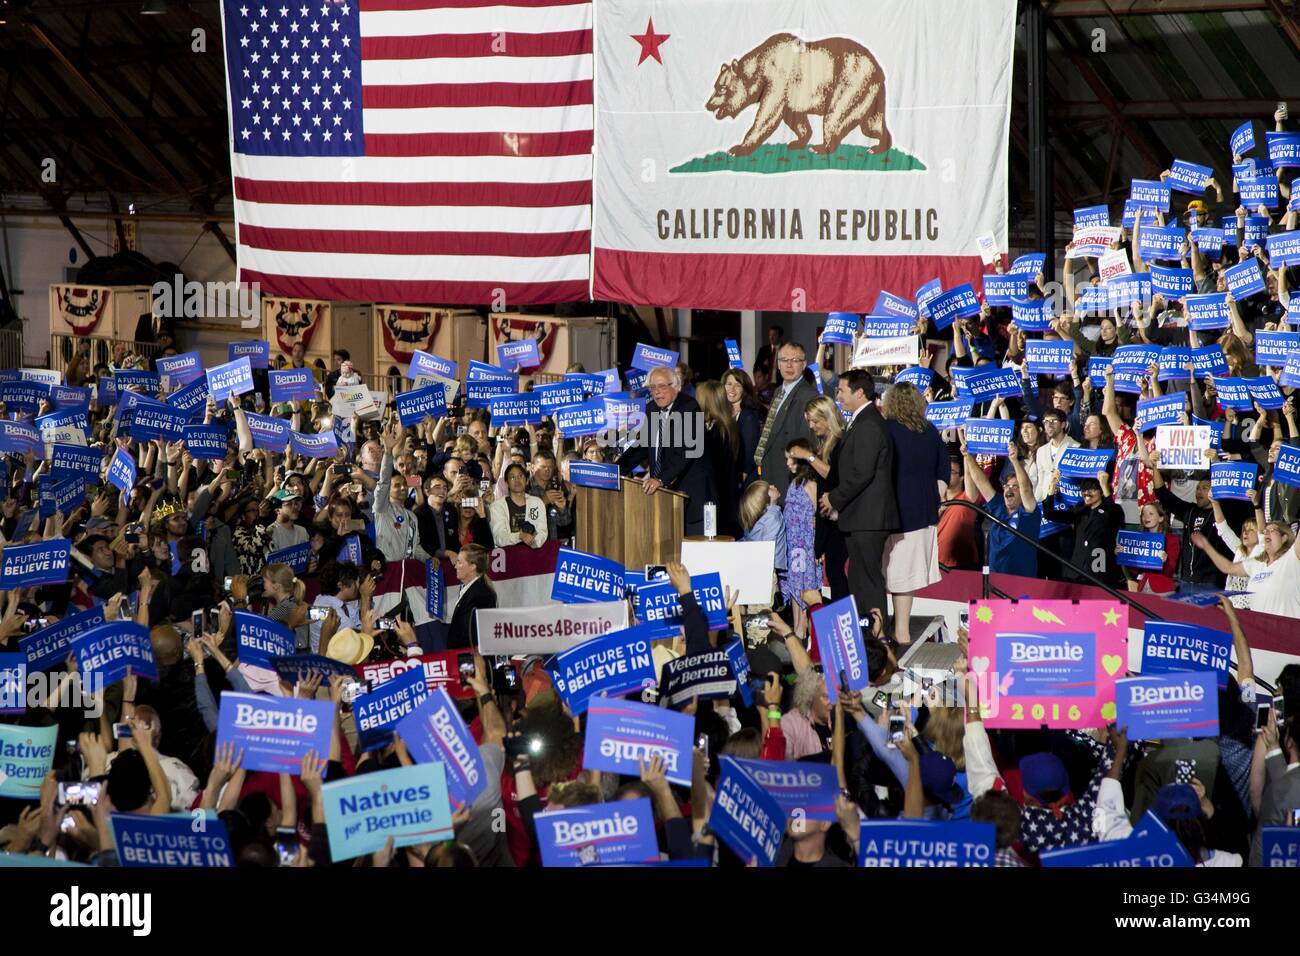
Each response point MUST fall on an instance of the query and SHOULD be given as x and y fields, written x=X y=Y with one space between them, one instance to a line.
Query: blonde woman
x=1249 y=545
x=722 y=452
x=922 y=470
x=761 y=519
x=284 y=593
x=827 y=427
x=1273 y=586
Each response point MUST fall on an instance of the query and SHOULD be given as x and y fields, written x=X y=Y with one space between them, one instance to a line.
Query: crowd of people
x=844 y=473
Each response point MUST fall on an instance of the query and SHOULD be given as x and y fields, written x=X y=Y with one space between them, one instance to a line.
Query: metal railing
x=103 y=351
x=11 y=348
x=392 y=384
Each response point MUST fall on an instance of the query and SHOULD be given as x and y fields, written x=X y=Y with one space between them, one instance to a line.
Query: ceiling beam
x=1220 y=109
x=1070 y=9
x=102 y=215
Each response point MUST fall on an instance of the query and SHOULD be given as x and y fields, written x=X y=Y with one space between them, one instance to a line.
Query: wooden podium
x=630 y=526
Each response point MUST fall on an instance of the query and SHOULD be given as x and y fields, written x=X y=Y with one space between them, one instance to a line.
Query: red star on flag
x=650 y=42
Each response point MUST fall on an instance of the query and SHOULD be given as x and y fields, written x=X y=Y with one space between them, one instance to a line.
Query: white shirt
x=1275 y=589
x=1048 y=457
x=349 y=615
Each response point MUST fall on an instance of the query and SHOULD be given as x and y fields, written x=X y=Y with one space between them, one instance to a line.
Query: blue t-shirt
x=1007 y=553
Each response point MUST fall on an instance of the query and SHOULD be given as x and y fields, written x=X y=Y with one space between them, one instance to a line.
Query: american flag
x=412 y=151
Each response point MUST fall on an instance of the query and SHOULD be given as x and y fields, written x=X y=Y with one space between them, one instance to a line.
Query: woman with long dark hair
x=748 y=413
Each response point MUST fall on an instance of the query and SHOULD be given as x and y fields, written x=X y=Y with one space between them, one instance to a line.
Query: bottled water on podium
x=710 y=520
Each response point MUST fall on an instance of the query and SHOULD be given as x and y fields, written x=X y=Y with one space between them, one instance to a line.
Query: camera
x=469 y=502
x=122 y=731
x=386 y=624
x=465 y=666
x=341 y=471
x=505 y=679
x=523 y=746
x=897 y=727
x=315 y=613
x=78 y=793
x=656 y=572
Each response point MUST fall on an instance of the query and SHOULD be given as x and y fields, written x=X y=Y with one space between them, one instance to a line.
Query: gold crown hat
x=165 y=509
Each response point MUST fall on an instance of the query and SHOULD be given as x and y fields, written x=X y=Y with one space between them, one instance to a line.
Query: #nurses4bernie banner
x=768 y=154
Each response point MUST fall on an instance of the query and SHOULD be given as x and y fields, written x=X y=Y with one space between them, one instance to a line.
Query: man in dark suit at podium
x=475 y=592
x=864 y=497
x=674 y=456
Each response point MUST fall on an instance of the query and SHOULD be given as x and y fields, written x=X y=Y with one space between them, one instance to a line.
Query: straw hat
x=349 y=646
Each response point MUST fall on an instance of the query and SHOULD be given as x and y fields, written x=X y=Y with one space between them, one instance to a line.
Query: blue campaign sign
x=839 y=641
x=1261 y=191
x=912 y=843
x=585 y=419
x=26 y=755
x=1281 y=846
x=999 y=290
x=708 y=675
x=61 y=495
x=30 y=565
x=739 y=661
x=518 y=354
x=989 y=436
x=233 y=378
x=1287 y=468
x=181 y=369
x=70 y=396
x=13 y=683
x=269 y=433
x=600 y=834
x=1161 y=242
x=553 y=395
x=1216 y=432
x=1133 y=209
x=1135 y=358
x=145 y=419
x=211 y=442
x=52 y=644
x=745 y=816
x=1150 y=845
x=1188 y=177
x=422 y=363
x=1173 y=362
x=658 y=604
x=1242 y=140
x=1291 y=371
x=926 y=294
x=106 y=391
x=582 y=578
x=733 y=354
x=191 y=400
x=1209 y=241
x=297 y=557
x=259 y=639
x=944 y=415
x=297 y=667
x=1284 y=249
x=1140 y=549
x=258 y=353
x=1171 y=646
x=435 y=733
x=1164 y=410
x=23 y=396
x=803 y=790
x=611 y=665
x=170 y=841
x=875 y=326
x=1171 y=283
x=1048 y=357
x=593 y=383
x=379 y=711
x=1134 y=289
x=522 y=409
x=1210 y=360
x=594 y=474
x=1233 y=393
x=915 y=374
x=889 y=304
x=840 y=328
x=622 y=732
x=275 y=733
x=292 y=385
x=408 y=805
x=623 y=413
x=1244 y=280
x=1283 y=148
x=991 y=382
x=1264 y=392
x=321 y=445
x=412 y=406
x=64 y=423
x=956 y=303
x=480 y=392
x=1094 y=300
x=20 y=438
x=1029 y=265
x=1091 y=216
x=1255 y=233
x=1085 y=462
x=1164 y=706
x=960 y=375
x=1048 y=665
x=110 y=648
x=435 y=591
x=1150 y=194
x=1032 y=315
x=646 y=357
x=482 y=372
x=1272 y=348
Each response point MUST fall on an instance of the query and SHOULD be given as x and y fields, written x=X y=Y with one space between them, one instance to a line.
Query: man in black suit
x=864 y=496
x=674 y=457
x=475 y=592
x=785 y=418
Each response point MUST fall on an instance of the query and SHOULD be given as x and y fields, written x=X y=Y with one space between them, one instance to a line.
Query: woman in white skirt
x=922 y=469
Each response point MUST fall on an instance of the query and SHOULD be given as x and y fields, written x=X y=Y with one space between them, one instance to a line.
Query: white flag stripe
x=413 y=169
x=343 y=266
x=483 y=119
x=470 y=20
x=520 y=219
x=477 y=69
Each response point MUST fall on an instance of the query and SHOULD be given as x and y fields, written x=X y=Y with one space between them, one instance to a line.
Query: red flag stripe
x=376 y=6
x=479 y=144
x=393 y=243
x=577 y=93
x=532 y=195
x=403 y=290
x=504 y=45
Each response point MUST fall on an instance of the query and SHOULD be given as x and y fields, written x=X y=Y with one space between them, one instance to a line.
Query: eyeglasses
x=661 y=387
x=792 y=361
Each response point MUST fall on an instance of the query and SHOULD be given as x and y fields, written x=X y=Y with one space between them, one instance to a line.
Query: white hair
x=674 y=376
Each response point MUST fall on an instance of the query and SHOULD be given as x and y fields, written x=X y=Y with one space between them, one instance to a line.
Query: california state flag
x=798 y=155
